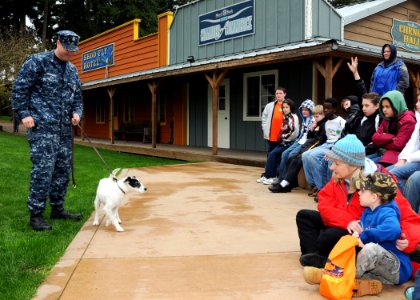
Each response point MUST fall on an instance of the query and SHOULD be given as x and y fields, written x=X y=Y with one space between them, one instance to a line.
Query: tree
x=14 y=48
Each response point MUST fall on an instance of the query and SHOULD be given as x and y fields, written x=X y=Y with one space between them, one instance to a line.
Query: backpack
x=339 y=278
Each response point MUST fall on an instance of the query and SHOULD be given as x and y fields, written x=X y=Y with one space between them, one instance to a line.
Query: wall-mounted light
x=190 y=59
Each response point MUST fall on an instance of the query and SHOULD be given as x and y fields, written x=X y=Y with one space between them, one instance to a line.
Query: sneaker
x=268 y=181
x=367 y=287
x=261 y=179
x=313 y=260
x=313 y=192
x=312 y=275
x=408 y=293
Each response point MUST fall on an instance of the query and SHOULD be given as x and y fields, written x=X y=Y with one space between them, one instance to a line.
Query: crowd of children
x=374 y=150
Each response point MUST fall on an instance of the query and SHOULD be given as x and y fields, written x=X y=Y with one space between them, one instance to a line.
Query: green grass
x=5 y=118
x=26 y=257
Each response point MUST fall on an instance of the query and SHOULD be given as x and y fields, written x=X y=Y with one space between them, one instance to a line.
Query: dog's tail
x=115 y=173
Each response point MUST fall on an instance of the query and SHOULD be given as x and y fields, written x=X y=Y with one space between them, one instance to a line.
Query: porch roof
x=353 y=13
x=313 y=47
x=262 y=56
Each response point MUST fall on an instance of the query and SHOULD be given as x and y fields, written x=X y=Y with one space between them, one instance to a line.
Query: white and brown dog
x=110 y=193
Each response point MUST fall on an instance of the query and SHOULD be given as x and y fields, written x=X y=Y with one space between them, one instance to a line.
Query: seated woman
x=339 y=207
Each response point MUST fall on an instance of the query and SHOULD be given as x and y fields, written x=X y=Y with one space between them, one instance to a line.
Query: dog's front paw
x=95 y=223
x=119 y=229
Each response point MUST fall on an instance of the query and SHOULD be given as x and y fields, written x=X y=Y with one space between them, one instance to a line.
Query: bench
x=134 y=132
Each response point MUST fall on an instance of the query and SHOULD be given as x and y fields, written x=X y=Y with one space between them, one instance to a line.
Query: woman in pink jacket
x=395 y=129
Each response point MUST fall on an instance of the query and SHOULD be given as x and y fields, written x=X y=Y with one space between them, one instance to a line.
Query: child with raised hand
x=379 y=231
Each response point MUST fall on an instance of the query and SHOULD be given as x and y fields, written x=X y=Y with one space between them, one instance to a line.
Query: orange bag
x=338 y=280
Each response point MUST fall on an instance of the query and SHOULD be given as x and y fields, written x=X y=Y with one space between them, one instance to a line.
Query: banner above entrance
x=406 y=34
x=227 y=23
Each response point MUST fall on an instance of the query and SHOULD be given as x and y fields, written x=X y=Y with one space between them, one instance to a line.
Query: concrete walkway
x=202 y=231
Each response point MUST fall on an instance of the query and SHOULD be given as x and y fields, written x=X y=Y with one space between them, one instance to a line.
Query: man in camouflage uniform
x=47 y=97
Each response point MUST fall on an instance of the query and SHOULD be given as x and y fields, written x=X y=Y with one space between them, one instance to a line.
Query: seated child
x=379 y=257
x=316 y=136
x=314 y=164
x=379 y=260
x=288 y=134
x=395 y=129
x=350 y=105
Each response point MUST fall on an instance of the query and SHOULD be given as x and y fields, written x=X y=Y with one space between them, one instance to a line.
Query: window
x=100 y=111
x=259 y=89
x=129 y=110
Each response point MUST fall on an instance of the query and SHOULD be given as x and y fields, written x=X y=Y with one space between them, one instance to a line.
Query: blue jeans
x=416 y=293
x=292 y=150
x=403 y=172
x=273 y=160
x=315 y=166
x=412 y=191
x=375 y=157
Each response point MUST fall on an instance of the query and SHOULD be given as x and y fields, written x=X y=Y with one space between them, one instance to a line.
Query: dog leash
x=97 y=152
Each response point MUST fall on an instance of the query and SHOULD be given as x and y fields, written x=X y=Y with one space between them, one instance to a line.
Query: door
x=223 y=116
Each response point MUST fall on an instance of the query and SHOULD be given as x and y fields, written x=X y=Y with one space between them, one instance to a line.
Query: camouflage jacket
x=42 y=90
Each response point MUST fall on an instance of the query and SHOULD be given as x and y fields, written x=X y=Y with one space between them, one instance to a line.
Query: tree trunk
x=45 y=24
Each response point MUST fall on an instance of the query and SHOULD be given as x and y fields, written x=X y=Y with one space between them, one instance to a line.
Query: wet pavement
x=202 y=231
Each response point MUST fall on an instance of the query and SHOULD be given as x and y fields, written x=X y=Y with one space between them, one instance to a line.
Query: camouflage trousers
x=50 y=153
x=374 y=262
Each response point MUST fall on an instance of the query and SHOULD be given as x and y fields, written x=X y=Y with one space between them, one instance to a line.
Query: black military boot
x=60 y=213
x=38 y=222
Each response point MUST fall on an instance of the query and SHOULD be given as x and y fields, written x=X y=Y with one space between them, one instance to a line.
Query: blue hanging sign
x=406 y=34
x=98 y=58
x=227 y=23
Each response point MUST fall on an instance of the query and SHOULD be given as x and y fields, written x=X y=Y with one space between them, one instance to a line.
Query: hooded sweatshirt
x=390 y=74
x=306 y=122
x=382 y=226
x=391 y=142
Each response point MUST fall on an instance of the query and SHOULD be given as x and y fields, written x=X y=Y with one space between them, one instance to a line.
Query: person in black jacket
x=350 y=104
x=316 y=136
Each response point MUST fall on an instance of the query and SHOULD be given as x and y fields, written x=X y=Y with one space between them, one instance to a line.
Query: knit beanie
x=349 y=150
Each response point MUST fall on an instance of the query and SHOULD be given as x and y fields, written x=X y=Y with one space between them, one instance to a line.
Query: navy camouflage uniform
x=49 y=90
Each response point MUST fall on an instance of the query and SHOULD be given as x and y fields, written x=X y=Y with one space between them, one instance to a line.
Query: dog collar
x=116 y=181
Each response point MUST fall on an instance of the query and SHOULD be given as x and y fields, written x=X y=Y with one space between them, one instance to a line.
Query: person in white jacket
x=409 y=158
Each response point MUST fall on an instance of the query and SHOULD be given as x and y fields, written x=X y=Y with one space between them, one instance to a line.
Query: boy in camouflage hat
x=379 y=257
x=47 y=97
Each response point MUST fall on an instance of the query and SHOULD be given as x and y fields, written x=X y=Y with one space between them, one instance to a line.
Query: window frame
x=245 y=91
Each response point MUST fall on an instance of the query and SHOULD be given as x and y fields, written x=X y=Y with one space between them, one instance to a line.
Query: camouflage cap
x=379 y=183
x=69 y=40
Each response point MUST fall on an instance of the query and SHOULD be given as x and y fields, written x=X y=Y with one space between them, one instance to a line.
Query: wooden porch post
x=415 y=78
x=328 y=72
x=111 y=92
x=153 y=86
x=215 y=81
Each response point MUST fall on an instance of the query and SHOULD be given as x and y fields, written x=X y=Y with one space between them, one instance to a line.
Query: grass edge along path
x=27 y=256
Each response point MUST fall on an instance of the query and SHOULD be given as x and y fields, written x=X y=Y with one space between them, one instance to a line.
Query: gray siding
x=326 y=22
x=198 y=113
x=277 y=22
x=245 y=135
